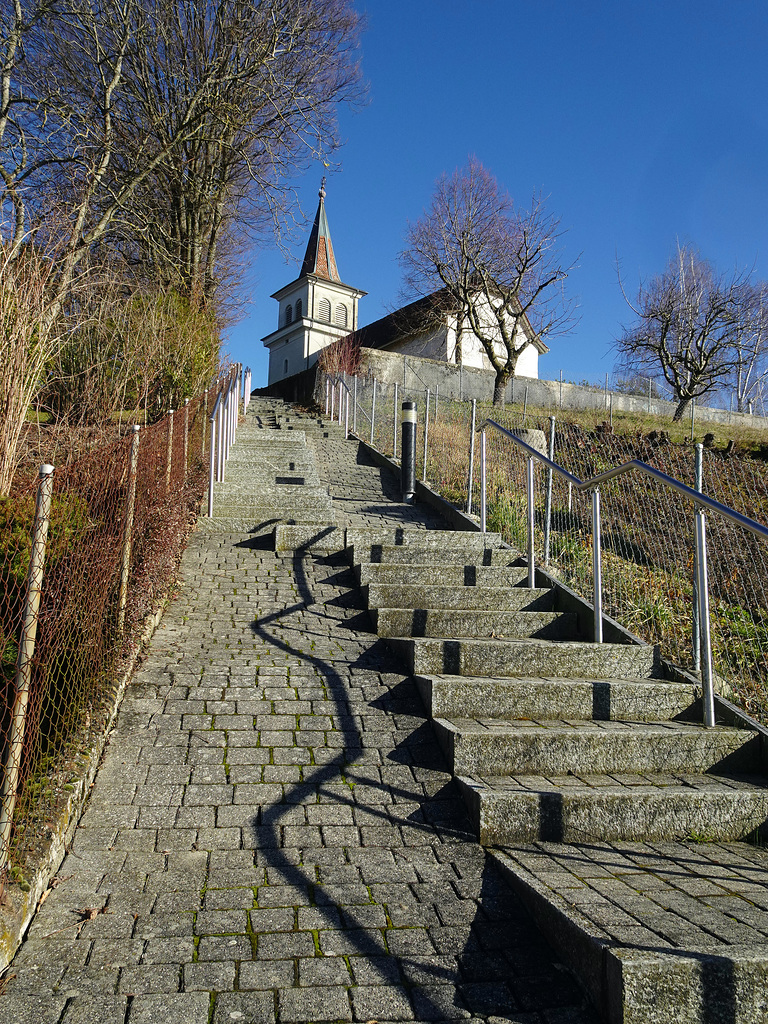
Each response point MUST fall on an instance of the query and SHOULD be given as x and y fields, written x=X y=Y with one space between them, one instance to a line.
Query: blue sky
x=642 y=122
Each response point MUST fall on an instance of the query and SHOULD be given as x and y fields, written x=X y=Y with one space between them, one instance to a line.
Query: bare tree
x=499 y=267
x=689 y=319
x=750 y=345
x=160 y=127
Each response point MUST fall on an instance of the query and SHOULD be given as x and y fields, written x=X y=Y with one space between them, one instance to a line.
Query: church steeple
x=319 y=258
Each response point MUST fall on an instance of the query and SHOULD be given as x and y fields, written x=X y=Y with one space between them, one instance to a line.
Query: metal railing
x=223 y=420
x=701 y=502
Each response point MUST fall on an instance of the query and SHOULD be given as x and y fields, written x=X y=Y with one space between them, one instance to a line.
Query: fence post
x=695 y=621
x=373 y=411
x=354 y=406
x=426 y=438
x=482 y=481
x=525 y=404
x=186 y=438
x=24 y=660
x=130 y=504
x=693 y=416
x=169 y=452
x=597 y=566
x=561 y=389
x=531 y=523
x=394 y=425
x=548 y=499
x=327 y=396
x=471 y=473
x=333 y=406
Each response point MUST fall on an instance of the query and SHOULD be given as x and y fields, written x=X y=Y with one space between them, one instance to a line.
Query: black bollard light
x=408 y=451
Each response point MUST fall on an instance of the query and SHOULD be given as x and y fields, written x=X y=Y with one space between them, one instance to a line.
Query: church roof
x=319 y=258
x=419 y=316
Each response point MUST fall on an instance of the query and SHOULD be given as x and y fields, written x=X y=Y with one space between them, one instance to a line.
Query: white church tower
x=315 y=310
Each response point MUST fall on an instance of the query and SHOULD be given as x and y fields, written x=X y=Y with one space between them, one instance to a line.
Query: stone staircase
x=550 y=736
x=271 y=476
x=584 y=767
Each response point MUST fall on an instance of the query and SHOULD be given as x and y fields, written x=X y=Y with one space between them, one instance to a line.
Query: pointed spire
x=319 y=258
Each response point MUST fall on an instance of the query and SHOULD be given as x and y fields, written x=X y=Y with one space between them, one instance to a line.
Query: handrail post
x=426 y=438
x=26 y=653
x=333 y=407
x=130 y=505
x=220 y=441
x=394 y=425
x=327 y=394
x=597 y=566
x=373 y=411
x=354 y=407
x=482 y=481
x=471 y=473
x=341 y=401
x=346 y=414
x=169 y=452
x=212 y=466
x=531 y=523
x=696 y=621
x=205 y=422
x=548 y=499
x=707 y=675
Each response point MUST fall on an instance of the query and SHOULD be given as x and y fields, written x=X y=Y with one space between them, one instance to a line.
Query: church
x=317 y=309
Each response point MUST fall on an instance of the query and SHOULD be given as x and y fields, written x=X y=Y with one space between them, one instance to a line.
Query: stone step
x=459 y=623
x=409 y=595
x=494 y=746
x=672 y=933
x=637 y=700
x=442 y=575
x=604 y=808
x=437 y=553
x=527 y=658
x=361 y=538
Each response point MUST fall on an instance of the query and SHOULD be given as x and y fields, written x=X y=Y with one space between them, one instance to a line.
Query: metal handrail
x=700 y=502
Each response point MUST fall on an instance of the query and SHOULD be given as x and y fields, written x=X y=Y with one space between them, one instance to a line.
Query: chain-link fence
x=73 y=604
x=647 y=543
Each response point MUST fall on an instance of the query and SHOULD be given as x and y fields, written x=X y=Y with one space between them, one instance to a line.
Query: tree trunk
x=682 y=405
x=503 y=378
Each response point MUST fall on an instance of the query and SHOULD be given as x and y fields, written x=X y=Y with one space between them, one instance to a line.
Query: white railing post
x=597 y=566
x=702 y=594
x=482 y=481
x=426 y=439
x=531 y=523
x=471 y=472
x=548 y=499
x=394 y=425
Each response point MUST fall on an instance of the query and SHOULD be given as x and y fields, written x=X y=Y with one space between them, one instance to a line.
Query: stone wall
x=415 y=373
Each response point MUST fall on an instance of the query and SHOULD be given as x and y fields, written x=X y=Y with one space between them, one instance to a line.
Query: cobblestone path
x=273 y=835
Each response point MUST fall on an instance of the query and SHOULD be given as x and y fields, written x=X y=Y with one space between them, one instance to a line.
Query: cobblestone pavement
x=273 y=835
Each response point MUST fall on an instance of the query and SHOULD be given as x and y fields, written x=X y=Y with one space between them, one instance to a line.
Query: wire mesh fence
x=118 y=519
x=647 y=542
